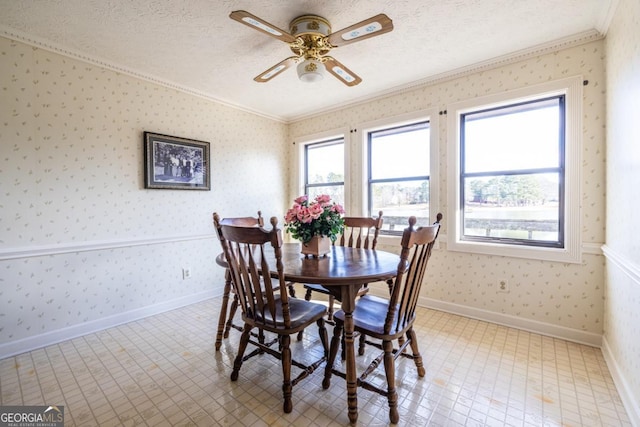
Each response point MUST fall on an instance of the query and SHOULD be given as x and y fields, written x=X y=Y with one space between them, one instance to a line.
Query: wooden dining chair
x=225 y=322
x=248 y=254
x=389 y=319
x=360 y=232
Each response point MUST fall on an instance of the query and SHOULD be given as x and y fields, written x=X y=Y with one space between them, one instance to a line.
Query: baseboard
x=629 y=401
x=548 y=329
x=48 y=338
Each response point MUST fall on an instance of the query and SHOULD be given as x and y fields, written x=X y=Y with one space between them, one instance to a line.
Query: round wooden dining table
x=343 y=272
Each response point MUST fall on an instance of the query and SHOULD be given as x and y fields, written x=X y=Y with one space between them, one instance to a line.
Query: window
x=385 y=165
x=324 y=169
x=514 y=176
x=398 y=174
x=512 y=170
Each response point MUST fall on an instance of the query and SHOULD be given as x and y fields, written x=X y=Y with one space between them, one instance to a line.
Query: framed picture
x=176 y=163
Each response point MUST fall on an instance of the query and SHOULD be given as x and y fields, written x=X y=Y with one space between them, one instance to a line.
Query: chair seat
x=370 y=315
x=317 y=288
x=302 y=313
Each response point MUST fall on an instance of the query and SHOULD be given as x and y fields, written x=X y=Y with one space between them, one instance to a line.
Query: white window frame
x=361 y=145
x=302 y=141
x=571 y=88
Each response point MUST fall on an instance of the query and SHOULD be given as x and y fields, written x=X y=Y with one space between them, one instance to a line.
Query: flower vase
x=318 y=246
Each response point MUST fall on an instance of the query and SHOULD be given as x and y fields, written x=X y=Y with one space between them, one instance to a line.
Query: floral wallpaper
x=72 y=185
x=564 y=299
x=622 y=309
x=82 y=242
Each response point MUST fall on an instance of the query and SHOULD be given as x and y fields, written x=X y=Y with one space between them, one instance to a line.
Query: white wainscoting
x=53 y=337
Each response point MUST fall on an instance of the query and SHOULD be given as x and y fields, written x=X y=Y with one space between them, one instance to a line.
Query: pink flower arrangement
x=320 y=217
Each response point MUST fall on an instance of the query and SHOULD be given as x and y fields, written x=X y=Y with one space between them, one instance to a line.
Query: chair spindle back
x=417 y=245
x=246 y=249
x=360 y=232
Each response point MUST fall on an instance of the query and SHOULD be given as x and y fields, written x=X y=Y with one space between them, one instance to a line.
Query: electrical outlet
x=503 y=285
x=186 y=273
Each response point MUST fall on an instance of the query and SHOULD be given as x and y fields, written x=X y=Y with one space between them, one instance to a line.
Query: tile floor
x=164 y=371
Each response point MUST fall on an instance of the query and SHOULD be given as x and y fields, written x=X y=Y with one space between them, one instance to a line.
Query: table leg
x=349 y=293
x=223 y=309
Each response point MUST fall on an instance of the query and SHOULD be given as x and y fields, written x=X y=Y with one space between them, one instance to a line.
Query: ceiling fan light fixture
x=310 y=40
x=310 y=71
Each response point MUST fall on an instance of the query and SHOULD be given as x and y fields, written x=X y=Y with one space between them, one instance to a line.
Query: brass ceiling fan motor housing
x=310 y=32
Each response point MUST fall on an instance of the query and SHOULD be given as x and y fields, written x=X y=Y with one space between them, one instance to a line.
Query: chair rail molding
x=625 y=264
x=65 y=248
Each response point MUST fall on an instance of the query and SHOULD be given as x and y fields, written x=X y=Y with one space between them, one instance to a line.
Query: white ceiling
x=194 y=45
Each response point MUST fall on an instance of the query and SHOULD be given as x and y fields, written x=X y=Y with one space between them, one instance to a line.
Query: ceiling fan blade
x=371 y=27
x=341 y=72
x=275 y=70
x=253 y=21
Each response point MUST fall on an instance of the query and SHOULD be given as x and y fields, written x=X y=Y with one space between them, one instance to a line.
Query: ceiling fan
x=310 y=39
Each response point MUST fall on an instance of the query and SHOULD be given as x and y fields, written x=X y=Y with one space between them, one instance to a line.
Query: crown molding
x=19 y=36
x=609 y=9
x=559 y=44
x=521 y=55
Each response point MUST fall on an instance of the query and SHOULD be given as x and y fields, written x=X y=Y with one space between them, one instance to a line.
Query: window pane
x=521 y=207
x=524 y=136
x=400 y=200
x=336 y=192
x=400 y=152
x=325 y=162
x=399 y=159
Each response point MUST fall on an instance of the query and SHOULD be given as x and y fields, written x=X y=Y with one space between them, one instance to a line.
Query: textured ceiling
x=194 y=45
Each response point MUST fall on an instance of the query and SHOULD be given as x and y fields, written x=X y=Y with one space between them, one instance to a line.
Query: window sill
x=529 y=252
